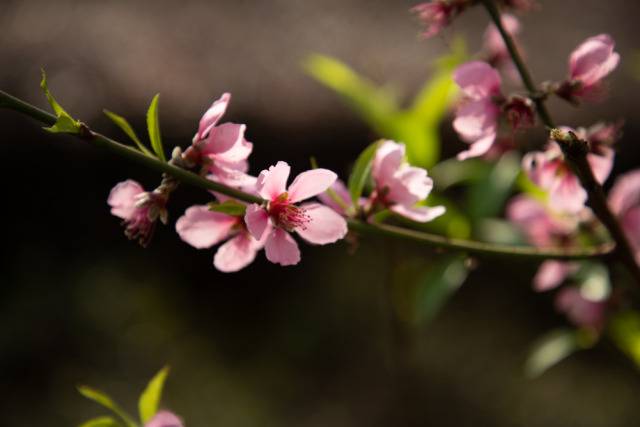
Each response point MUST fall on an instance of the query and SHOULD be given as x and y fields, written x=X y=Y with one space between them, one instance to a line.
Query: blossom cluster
x=220 y=152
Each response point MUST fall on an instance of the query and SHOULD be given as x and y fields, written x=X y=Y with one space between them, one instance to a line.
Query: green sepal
x=64 y=122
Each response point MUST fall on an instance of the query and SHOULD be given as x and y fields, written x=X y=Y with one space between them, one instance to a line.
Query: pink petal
x=409 y=185
x=625 y=193
x=257 y=220
x=122 y=198
x=579 y=310
x=476 y=119
x=601 y=165
x=202 y=228
x=551 y=274
x=325 y=225
x=236 y=253
x=310 y=183
x=566 y=194
x=343 y=195
x=281 y=248
x=478 y=148
x=593 y=60
x=419 y=213
x=212 y=116
x=388 y=159
x=164 y=419
x=477 y=80
x=493 y=40
x=273 y=182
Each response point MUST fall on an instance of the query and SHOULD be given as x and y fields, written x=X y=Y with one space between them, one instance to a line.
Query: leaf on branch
x=124 y=125
x=150 y=397
x=104 y=400
x=361 y=172
x=153 y=125
x=101 y=422
x=554 y=347
x=624 y=330
x=64 y=122
x=229 y=207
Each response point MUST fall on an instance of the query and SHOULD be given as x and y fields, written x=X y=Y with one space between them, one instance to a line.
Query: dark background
x=309 y=345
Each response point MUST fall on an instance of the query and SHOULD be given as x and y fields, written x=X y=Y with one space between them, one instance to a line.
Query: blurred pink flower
x=549 y=171
x=138 y=209
x=543 y=227
x=494 y=46
x=624 y=200
x=400 y=186
x=314 y=222
x=202 y=228
x=344 y=202
x=580 y=310
x=164 y=419
x=221 y=148
x=437 y=14
x=476 y=120
x=589 y=63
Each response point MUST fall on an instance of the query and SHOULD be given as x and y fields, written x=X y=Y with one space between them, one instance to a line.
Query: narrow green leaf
x=153 y=125
x=104 y=400
x=123 y=124
x=150 y=397
x=361 y=171
x=551 y=349
x=229 y=207
x=64 y=123
x=101 y=422
x=440 y=282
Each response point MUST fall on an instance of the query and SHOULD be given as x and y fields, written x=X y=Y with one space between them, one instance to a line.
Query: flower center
x=287 y=215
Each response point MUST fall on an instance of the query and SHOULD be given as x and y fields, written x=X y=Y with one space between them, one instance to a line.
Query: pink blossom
x=580 y=310
x=543 y=227
x=221 y=148
x=624 y=200
x=138 y=209
x=281 y=215
x=343 y=204
x=589 y=64
x=494 y=44
x=164 y=419
x=202 y=228
x=476 y=120
x=400 y=186
x=437 y=14
x=549 y=170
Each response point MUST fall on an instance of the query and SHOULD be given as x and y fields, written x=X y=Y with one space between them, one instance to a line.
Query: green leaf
x=153 y=125
x=101 y=422
x=104 y=400
x=150 y=397
x=624 y=330
x=229 y=207
x=361 y=171
x=64 y=123
x=552 y=348
x=487 y=196
x=123 y=124
x=439 y=283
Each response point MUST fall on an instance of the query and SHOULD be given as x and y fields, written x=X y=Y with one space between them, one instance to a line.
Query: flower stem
x=577 y=159
x=468 y=246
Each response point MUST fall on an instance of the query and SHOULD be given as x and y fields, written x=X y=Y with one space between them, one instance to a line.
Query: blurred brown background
x=309 y=345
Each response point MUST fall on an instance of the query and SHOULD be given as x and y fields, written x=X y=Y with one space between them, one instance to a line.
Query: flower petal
x=477 y=79
x=281 y=249
x=342 y=193
x=122 y=198
x=236 y=253
x=601 y=165
x=478 y=148
x=164 y=419
x=476 y=119
x=419 y=213
x=551 y=274
x=257 y=220
x=325 y=225
x=212 y=116
x=273 y=182
x=593 y=60
x=310 y=183
x=388 y=159
x=202 y=228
